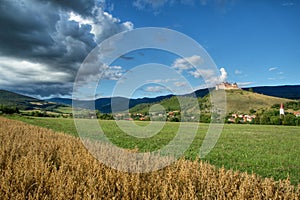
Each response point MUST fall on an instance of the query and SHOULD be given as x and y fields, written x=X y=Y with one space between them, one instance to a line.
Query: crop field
x=269 y=151
x=38 y=163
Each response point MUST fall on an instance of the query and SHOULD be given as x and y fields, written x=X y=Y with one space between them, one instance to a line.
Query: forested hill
x=286 y=91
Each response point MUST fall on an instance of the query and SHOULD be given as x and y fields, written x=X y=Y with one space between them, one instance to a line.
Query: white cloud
x=180 y=84
x=116 y=67
x=18 y=72
x=27 y=77
x=277 y=78
x=272 y=69
x=204 y=73
x=113 y=73
x=93 y=72
x=53 y=39
x=158 y=4
x=167 y=80
x=155 y=89
x=103 y=23
x=154 y=4
x=244 y=83
x=288 y=4
x=237 y=72
x=37 y=79
x=223 y=76
x=187 y=63
x=210 y=77
x=79 y=19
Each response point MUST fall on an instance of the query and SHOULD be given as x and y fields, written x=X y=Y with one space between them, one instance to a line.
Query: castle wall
x=226 y=86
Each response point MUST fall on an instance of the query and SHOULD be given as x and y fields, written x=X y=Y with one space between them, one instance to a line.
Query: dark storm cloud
x=39 y=31
x=24 y=27
x=45 y=89
x=82 y=7
x=42 y=33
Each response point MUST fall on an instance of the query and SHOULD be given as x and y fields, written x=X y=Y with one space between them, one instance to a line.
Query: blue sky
x=256 y=43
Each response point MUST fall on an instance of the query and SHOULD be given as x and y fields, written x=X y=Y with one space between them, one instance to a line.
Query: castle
x=227 y=86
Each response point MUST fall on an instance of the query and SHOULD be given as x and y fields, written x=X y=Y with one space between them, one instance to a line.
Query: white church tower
x=281 y=110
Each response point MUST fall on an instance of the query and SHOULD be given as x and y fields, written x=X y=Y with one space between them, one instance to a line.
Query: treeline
x=265 y=117
x=104 y=116
x=293 y=105
x=5 y=109
x=272 y=117
x=44 y=113
x=8 y=109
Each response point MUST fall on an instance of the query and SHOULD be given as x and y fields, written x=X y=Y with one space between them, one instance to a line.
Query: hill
x=242 y=101
x=239 y=101
x=23 y=102
x=285 y=91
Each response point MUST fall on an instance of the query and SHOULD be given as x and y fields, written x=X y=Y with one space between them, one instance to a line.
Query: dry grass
x=36 y=163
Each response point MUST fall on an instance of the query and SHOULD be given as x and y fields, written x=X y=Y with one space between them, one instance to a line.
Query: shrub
x=275 y=120
x=289 y=119
x=265 y=119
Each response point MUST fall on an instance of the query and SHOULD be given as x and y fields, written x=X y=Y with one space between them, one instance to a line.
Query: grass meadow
x=269 y=151
x=38 y=163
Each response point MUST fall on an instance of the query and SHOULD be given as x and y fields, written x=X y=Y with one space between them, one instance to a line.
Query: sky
x=44 y=45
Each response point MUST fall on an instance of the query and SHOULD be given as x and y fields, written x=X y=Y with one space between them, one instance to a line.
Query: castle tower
x=281 y=110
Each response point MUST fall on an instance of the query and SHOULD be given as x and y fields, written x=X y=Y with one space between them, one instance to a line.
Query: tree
x=174 y=119
x=256 y=120
x=289 y=120
x=276 y=106
x=275 y=120
x=265 y=119
x=237 y=120
x=9 y=109
x=252 y=111
x=297 y=121
x=205 y=118
x=215 y=117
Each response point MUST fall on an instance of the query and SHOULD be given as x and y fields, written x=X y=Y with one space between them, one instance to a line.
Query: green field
x=270 y=151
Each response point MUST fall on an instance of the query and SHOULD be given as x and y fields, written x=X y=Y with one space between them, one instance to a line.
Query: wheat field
x=37 y=163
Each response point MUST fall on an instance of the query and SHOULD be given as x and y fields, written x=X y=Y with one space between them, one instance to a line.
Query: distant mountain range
x=104 y=104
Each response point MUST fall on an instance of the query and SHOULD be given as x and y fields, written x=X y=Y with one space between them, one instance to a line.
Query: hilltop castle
x=227 y=86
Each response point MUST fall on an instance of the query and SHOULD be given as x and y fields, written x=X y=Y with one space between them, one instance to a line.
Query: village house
x=128 y=119
x=172 y=113
x=249 y=118
x=297 y=114
x=242 y=117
